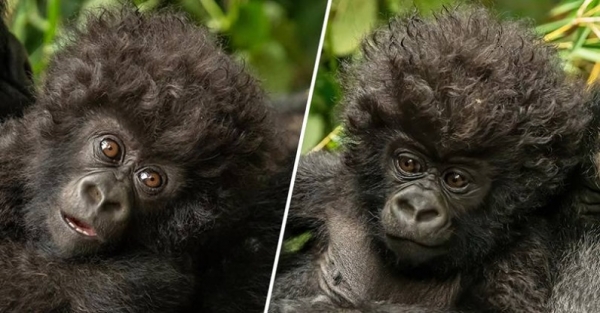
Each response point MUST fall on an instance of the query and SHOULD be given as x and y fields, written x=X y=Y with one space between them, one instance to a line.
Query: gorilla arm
x=32 y=282
x=342 y=268
x=316 y=306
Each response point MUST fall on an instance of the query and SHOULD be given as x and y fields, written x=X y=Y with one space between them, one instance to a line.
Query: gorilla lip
x=396 y=240
x=79 y=226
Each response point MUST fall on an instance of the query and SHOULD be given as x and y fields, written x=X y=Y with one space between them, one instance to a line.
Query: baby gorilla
x=460 y=129
x=146 y=165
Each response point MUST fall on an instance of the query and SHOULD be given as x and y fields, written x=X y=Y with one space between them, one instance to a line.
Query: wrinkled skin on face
x=106 y=187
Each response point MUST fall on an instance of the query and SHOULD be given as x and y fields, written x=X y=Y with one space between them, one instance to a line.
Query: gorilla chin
x=413 y=253
x=71 y=237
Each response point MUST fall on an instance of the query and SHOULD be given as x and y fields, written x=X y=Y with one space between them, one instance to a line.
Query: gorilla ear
x=364 y=113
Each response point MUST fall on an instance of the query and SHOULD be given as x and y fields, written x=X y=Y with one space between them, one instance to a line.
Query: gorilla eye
x=456 y=180
x=111 y=149
x=151 y=179
x=409 y=165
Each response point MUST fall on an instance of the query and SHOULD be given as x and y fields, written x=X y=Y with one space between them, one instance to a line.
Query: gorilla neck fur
x=354 y=268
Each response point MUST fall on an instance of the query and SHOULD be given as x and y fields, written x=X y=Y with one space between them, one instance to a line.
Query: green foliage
x=572 y=24
x=277 y=39
x=294 y=244
x=574 y=27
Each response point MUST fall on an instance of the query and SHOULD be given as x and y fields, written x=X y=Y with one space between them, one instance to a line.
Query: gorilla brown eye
x=110 y=149
x=409 y=165
x=150 y=178
x=456 y=180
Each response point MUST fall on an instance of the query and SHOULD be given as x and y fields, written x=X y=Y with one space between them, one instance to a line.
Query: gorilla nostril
x=92 y=193
x=402 y=207
x=111 y=206
x=427 y=215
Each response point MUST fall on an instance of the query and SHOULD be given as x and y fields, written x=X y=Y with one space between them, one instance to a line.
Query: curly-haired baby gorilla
x=460 y=129
x=148 y=177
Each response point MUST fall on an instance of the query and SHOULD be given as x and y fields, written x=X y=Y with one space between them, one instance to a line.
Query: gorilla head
x=145 y=133
x=455 y=139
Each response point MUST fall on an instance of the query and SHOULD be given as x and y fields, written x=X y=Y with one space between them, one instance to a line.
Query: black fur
x=576 y=279
x=577 y=282
x=15 y=73
x=462 y=83
x=168 y=89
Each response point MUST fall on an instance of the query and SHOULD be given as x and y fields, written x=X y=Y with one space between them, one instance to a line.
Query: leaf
x=552 y=26
x=252 y=27
x=352 y=20
x=570 y=6
x=53 y=18
x=580 y=37
x=273 y=67
x=313 y=132
x=592 y=55
x=294 y=244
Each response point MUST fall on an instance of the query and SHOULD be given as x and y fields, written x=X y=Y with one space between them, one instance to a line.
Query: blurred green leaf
x=587 y=54
x=294 y=244
x=314 y=132
x=352 y=20
x=566 y=7
x=272 y=66
x=552 y=26
x=580 y=37
x=252 y=27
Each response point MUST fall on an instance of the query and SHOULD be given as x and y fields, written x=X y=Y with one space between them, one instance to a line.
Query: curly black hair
x=176 y=100
x=467 y=83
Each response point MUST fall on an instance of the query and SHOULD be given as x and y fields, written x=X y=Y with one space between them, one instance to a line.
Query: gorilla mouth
x=78 y=226
x=590 y=200
x=402 y=240
x=412 y=252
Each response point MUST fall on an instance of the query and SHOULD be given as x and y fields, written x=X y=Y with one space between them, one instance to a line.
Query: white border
x=298 y=153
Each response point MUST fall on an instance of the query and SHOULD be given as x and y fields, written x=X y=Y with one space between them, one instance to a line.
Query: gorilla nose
x=106 y=196
x=421 y=210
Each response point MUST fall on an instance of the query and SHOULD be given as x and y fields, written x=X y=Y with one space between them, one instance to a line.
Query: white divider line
x=298 y=153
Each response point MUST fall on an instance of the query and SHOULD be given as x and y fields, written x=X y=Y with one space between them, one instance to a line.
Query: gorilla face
x=426 y=194
x=108 y=179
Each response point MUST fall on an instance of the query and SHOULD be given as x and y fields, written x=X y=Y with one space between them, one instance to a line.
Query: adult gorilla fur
x=576 y=279
x=461 y=84
x=15 y=73
x=174 y=99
